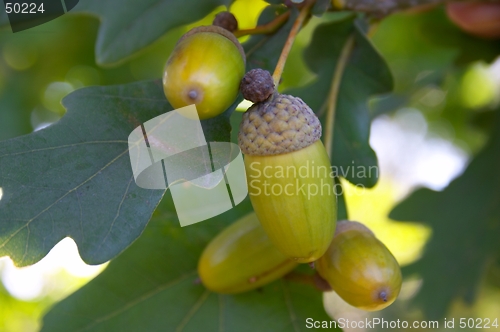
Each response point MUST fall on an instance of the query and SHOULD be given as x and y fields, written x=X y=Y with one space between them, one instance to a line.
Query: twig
x=289 y=42
x=334 y=91
x=307 y=279
x=267 y=28
x=382 y=8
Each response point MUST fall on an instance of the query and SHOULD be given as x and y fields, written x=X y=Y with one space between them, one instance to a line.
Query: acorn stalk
x=242 y=258
x=289 y=175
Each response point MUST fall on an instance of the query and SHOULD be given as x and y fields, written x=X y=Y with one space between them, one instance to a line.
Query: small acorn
x=205 y=68
x=242 y=258
x=257 y=85
x=481 y=19
x=226 y=20
x=288 y=174
x=360 y=268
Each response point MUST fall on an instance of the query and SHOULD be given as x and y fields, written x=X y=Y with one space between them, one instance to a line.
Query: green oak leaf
x=366 y=74
x=465 y=218
x=320 y=7
x=129 y=25
x=274 y=2
x=152 y=287
x=74 y=178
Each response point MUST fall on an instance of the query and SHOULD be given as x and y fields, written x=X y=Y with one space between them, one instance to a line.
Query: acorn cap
x=220 y=31
x=281 y=124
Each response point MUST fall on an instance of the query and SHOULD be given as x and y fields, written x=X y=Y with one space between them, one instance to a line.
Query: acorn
x=481 y=19
x=360 y=268
x=242 y=258
x=289 y=174
x=205 y=69
x=226 y=20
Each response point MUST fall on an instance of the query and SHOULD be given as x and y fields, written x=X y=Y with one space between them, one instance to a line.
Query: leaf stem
x=289 y=42
x=267 y=28
x=307 y=279
x=300 y=278
x=334 y=92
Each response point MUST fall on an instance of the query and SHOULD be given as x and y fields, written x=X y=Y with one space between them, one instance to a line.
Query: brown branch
x=304 y=12
x=382 y=8
x=307 y=279
x=267 y=28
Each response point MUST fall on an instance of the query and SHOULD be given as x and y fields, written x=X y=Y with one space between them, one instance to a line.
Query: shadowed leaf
x=152 y=287
x=128 y=25
x=366 y=74
x=74 y=178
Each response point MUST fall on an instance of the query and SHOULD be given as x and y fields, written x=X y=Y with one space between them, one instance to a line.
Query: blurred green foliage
x=432 y=61
x=41 y=65
x=441 y=72
x=435 y=68
x=18 y=315
x=465 y=219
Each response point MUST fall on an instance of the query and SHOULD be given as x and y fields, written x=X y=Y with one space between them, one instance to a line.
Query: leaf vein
x=59 y=199
x=139 y=300
x=193 y=311
x=62 y=147
x=289 y=306
x=117 y=214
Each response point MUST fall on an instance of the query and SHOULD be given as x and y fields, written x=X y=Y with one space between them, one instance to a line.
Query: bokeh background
x=424 y=135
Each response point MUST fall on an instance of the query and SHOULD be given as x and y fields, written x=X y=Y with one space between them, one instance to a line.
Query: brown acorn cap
x=280 y=124
x=346 y=225
x=220 y=31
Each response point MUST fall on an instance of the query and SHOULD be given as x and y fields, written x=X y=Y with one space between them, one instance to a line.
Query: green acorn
x=288 y=170
x=360 y=268
x=242 y=258
x=204 y=69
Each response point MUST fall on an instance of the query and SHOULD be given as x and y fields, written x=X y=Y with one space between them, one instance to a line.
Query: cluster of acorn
x=207 y=68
